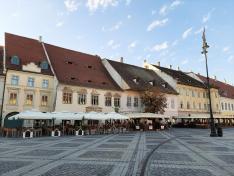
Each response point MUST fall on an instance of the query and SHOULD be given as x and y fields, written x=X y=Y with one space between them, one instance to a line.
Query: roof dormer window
x=44 y=65
x=73 y=78
x=151 y=83
x=164 y=85
x=89 y=81
x=136 y=80
x=69 y=62
x=15 y=60
x=90 y=66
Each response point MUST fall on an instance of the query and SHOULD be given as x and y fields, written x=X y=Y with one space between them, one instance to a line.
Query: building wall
x=76 y=90
x=22 y=90
x=2 y=82
x=195 y=96
x=227 y=107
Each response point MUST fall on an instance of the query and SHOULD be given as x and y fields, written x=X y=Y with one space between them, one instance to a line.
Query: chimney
x=199 y=74
x=178 y=68
x=40 y=39
x=170 y=66
x=215 y=78
x=121 y=59
x=145 y=61
x=158 y=64
x=225 y=81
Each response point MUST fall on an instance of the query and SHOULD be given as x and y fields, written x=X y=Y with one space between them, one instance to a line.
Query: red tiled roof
x=76 y=68
x=28 y=50
x=143 y=76
x=225 y=90
x=1 y=60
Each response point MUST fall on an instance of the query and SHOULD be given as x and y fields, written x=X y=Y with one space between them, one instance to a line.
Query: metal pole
x=204 y=51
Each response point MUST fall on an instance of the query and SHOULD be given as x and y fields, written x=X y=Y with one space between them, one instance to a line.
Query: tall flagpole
x=205 y=46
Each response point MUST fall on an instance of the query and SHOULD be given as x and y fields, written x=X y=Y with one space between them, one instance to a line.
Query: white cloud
x=175 y=3
x=159 y=47
x=207 y=16
x=93 y=5
x=175 y=43
x=231 y=59
x=59 y=24
x=71 y=5
x=129 y=17
x=187 y=33
x=132 y=45
x=116 y=26
x=184 y=62
x=128 y=2
x=157 y=23
x=199 y=31
x=112 y=44
x=226 y=49
x=165 y=9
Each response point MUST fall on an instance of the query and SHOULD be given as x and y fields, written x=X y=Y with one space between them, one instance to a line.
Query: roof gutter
x=4 y=59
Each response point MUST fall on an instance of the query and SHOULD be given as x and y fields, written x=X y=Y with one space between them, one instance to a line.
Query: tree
x=154 y=101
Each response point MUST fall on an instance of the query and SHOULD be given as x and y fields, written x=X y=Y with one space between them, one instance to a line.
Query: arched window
x=15 y=60
x=44 y=65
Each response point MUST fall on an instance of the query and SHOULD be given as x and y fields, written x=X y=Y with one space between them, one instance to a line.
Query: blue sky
x=168 y=31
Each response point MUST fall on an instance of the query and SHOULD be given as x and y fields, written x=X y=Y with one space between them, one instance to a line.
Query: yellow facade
x=26 y=91
x=195 y=100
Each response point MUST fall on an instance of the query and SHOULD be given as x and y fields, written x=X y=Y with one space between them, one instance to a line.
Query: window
x=205 y=106
x=225 y=106
x=94 y=99
x=222 y=106
x=108 y=101
x=216 y=96
x=15 y=80
x=232 y=107
x=199 y=105
x=30 y=82
x=117 y=102
x=29 y=99
x=198 y=94
x=44 y=100
x=204 y=95
x=193 y=93
x=67 y=98
x=81 y=99
x=135 y=102
x=172 y=103
x=229 y=106
x=44 y=65
x=217 y=106
x=194 y=105
x=45 y=83
x=187 y=92
x=129 y=101
x=188 y=105
x=13 y=99
x=15 y=60
x=181 y=104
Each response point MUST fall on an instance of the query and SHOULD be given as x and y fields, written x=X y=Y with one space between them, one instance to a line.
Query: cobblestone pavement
x=176 y=152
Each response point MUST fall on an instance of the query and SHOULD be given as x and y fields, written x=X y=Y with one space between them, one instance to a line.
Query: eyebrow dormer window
x=44 y=65
x=90 y=66
x=89 y=81
x=15 y=60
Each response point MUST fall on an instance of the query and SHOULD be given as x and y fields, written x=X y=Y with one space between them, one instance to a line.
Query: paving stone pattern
x=190 y=152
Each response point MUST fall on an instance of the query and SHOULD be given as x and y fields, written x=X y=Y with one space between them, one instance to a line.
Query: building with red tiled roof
x=193 y=97
x=226 y=92
x=29 y=82
x=134 y=80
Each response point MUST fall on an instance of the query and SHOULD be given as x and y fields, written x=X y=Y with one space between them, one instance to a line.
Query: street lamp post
x=205 y=46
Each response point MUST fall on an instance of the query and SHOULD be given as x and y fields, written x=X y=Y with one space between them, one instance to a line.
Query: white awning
x=115 y=116
x=64 y=115
x=146 y=115
x=32 y=115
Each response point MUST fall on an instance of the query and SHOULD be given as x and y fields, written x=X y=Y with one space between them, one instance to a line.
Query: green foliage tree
x=154 y=101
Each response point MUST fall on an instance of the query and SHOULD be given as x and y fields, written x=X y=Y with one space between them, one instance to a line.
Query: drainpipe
x=55 y=77
x=3 y=95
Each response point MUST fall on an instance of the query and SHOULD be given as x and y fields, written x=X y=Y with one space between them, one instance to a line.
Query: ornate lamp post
x=205 y=46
